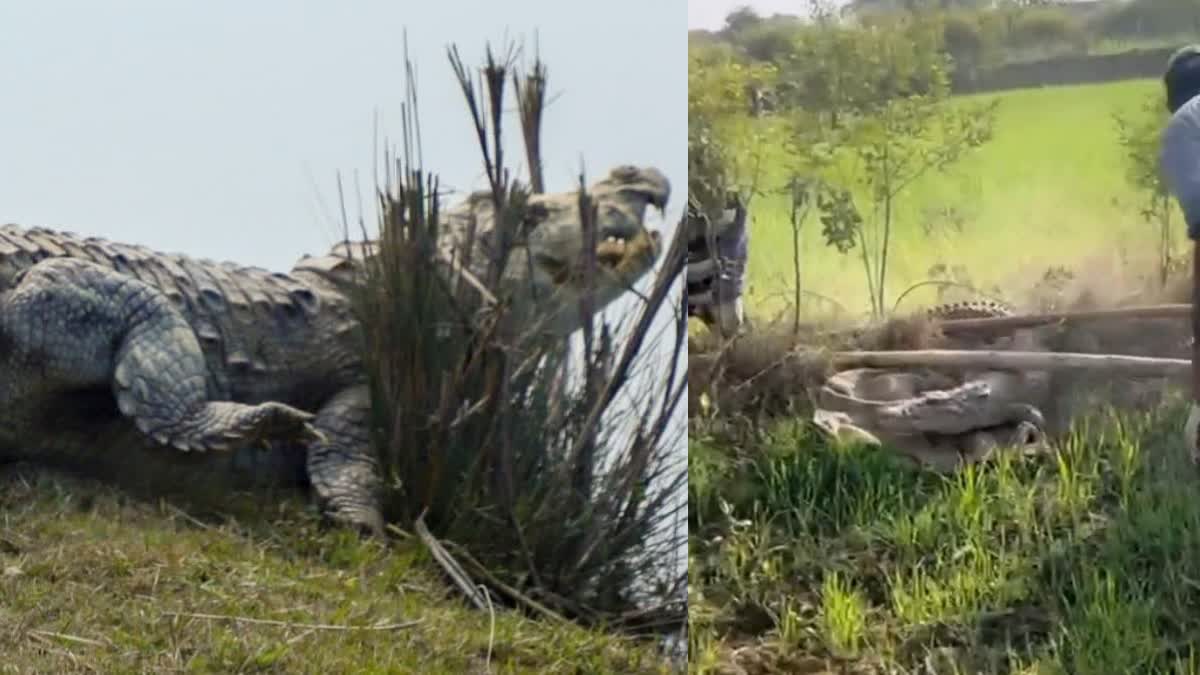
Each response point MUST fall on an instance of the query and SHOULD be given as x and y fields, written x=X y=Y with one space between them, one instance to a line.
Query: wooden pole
x=1129 y=366
x=1029 y=320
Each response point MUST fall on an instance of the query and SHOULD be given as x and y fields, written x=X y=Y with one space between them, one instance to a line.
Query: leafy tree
x=839 y=70
x=770 y=40
x=1149 y=18
x=719 y=121
x=891 y=149
x=970 y=38
x=866 y=111
x=741 y=18
x=1139 y=135
x=1045 y=28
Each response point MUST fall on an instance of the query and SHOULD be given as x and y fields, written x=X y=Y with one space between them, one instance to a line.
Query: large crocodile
x=115 y=358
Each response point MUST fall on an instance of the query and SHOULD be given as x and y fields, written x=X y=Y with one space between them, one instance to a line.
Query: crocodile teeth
x=611 y=251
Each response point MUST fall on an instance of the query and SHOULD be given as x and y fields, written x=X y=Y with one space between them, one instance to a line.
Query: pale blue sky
x=211 y=127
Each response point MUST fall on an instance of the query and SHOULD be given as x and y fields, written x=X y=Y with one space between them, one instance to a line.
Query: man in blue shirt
x=1180 y=161
x=716 y=278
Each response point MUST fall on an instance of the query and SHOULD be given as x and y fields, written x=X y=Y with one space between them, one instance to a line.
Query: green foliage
x=1045 y=28
x=977 y=36
x=839 y=70
x=1140 y=137
x=1147 y=18
x=890 y=150
x=741 y=19
x=841 y=223
x=722 y=136
x=765 y=41
x=1011 y=194
x=866 y=110
x=1074 y=562
x=844 y=610
x=968 y=42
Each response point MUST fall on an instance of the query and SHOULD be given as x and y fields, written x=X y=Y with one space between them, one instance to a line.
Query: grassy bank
x=811 y=558
x=94 y=581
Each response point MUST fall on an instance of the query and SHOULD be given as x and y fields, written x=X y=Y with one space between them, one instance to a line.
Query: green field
x=1049 y=189
x=811 y=557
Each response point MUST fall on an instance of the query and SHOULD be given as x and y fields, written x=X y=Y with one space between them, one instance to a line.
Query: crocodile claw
x=313 y=436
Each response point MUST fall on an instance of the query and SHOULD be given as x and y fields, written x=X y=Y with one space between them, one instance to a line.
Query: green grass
x=1049 y=189
x=811 y=558
x=94 y=581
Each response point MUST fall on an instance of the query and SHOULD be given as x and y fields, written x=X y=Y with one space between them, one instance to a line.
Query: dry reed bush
x=899 y=333
x=755 y=375
x=763 y=371
x=773 y=370
x=509 y=446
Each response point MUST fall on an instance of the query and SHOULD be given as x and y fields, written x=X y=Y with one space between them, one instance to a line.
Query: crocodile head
x=545 y=274
x=546 y=271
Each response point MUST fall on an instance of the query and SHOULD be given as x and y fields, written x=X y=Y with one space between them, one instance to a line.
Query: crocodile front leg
x=343 y=470
x=71 y=325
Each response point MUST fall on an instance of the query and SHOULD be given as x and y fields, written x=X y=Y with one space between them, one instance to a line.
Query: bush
x=1045 y=29
x=963 y=37
x=510 y=446
x=1149 y=18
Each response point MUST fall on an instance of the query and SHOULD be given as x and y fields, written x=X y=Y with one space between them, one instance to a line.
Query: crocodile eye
x=486 y=240
x=535 y=214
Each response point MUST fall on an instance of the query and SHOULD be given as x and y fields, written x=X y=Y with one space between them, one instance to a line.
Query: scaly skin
x=971 y=309
x=109 y=352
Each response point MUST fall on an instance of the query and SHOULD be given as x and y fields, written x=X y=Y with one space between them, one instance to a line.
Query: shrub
x=1045 y=29
x=510 y=448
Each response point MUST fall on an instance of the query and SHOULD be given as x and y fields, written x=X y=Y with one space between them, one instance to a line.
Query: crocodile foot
x=224 y=425
x=367 y=523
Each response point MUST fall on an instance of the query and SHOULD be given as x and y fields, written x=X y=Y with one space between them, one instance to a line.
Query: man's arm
x=1195 y=324
x=1180 y=163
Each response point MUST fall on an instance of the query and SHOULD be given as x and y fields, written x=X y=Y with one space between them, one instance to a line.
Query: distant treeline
x=1010 y=44
x=1066 y=69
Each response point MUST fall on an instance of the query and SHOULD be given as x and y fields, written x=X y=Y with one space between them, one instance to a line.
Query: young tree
x=890 y=149
x=1140 y=137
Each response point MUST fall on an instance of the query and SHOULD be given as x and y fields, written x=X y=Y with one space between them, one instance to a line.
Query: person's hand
x=1191 y=433
x=729 y=318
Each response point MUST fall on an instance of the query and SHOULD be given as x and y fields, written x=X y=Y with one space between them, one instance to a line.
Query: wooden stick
x=292 y=624
x=447 y=562
x=1136 y=366
x=1029 y=320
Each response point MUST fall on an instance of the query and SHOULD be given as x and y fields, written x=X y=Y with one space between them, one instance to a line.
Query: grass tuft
x=1084 y=561
x=92 y=580
x=545 y=475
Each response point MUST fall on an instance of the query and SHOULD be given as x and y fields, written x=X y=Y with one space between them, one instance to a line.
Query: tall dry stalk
x=564 y=519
